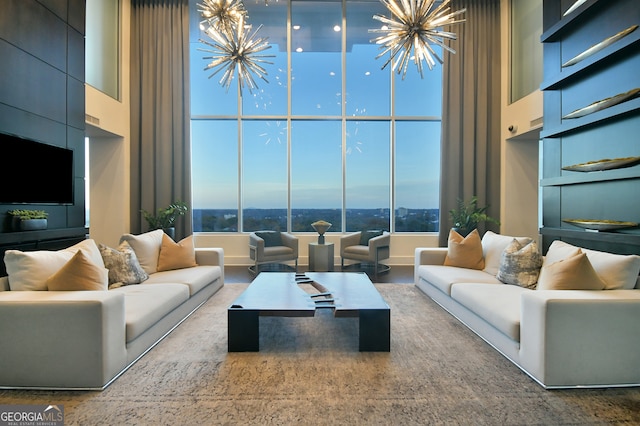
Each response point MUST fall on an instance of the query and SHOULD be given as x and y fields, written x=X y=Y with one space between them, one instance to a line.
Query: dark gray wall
x=42 y=98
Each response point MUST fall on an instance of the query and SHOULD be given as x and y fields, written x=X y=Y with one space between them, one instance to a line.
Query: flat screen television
x=33 y=172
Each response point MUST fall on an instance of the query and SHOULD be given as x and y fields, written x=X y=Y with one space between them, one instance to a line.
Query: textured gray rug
x=309 y=371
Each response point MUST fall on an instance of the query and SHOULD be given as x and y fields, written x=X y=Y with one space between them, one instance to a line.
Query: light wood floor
x=397 y=274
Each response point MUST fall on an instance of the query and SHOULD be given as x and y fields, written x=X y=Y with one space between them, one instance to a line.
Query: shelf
x=573 y=73
x=570 y=125
x=13 y=238
x=618 y=237
x=567 y=22
x=572 y=178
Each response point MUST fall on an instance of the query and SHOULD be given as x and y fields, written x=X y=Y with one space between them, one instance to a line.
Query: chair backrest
x=271 y=238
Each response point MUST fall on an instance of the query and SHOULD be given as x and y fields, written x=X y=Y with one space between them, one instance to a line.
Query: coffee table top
x=279 y=294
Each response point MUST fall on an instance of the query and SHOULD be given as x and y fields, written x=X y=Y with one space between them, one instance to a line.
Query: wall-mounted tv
x=34 y=173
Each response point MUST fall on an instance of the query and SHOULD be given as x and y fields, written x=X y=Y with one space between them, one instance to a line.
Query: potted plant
x=165 y=218
x=467 y=216
x=28 y=220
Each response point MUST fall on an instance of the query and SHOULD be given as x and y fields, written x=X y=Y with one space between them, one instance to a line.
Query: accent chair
x=369 y=247
x=272 y=247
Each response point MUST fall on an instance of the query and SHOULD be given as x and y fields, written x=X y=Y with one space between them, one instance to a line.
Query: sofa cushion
x=616 y=270
x=176 y=255
x=499 y=305
x=147 y=248
x=365 y=236
x=30 y=270
x=573 y=273
x=122 y=264
x=464 y=252
x=145 y=305
x=271 y=238
x=492 y=247
x=520 y=265
x=443 y=277
x=196 y=278
x=79 y=273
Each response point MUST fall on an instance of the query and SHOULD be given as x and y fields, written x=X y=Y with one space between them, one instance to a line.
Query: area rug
x=309 y=371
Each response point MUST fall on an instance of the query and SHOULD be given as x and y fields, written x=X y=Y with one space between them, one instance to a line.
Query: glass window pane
x=208 y=97
x=316 y=174
x=316 y=60
x=269 y=98
x=367 y=85
x=264 y=175
x=526 y=49
x=416 y=96
x=417 y=176
x=368 y=175
x=102 y=41
x=214 y=174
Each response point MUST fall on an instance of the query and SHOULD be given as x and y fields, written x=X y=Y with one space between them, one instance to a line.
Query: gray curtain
x=470 y=164
x=160 y=141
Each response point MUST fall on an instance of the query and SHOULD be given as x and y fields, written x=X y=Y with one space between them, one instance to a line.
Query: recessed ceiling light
x=367 y=73
x=336 y=28
x=296 y=27
x=299 y=49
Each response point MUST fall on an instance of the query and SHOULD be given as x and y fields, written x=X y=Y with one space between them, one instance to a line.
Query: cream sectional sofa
x=86 y=339
x=561 y=338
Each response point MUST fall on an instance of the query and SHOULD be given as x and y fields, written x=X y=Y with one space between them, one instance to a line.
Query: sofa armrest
x=348 y=240
x=213 y=256
x=61 y=339
x=581 y=338
x=428 y=256
x=291 y=241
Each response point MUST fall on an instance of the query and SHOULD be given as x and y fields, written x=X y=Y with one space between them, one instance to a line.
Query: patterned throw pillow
x=520 y=265
x=122 y=264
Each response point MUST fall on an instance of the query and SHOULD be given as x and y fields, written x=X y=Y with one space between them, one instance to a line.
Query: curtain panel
x=160 y=137
x=470 y=145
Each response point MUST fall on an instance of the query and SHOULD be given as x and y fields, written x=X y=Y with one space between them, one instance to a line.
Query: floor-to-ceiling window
x=331 y=136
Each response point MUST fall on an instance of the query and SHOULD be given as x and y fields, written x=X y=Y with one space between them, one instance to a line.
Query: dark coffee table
x=348 y=294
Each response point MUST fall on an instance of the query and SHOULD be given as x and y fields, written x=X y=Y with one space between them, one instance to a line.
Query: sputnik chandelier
x=412 y=30
x=232 y=44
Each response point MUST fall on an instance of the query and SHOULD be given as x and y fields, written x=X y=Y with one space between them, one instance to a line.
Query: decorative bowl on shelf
x=603 y=104
x=605 y=164
x=600 y=225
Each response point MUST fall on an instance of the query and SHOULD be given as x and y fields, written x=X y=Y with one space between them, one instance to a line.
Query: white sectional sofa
x=86 y=339
x=561 y=338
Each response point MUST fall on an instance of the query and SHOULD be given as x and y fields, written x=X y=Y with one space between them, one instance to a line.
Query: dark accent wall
x=609 y=133
x=42 y=97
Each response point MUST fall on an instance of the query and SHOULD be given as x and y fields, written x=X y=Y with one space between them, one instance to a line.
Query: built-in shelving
x=566 y=23
x=613 y=132
x=572 y=178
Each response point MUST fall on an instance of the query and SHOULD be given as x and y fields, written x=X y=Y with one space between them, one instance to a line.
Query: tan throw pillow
x=520 y=265
x=79 y=273
x=573 y=273
x=28 y=270
x=122 y=264
x=176 y=255
x=465 y=252
x=147 y=248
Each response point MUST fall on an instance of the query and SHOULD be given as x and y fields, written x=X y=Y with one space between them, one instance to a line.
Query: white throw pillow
x=29 y=270
x=492 y=247
x=616 y=270
x=147 y=248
